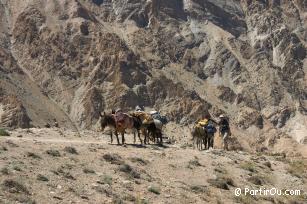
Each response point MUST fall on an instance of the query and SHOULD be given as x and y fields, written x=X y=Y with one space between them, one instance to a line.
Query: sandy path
x=57 y=140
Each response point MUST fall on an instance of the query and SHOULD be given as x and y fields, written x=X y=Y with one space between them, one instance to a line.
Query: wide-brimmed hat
x=222 y=116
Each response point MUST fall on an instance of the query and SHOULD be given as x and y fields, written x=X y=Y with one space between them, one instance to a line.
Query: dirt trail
x=61 y=141
x=57 y=166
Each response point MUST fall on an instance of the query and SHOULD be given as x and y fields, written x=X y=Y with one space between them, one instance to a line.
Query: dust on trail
x=72 y=141
x=75 y=141
x=59 y=136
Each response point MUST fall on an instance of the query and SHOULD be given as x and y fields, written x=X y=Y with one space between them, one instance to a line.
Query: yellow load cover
x=203 y=122
x=198 y=126
x=147 y=119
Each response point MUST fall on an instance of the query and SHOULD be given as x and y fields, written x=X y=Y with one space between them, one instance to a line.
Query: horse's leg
x=202 y=141
x=134 y=137
x=212 y=141
x=148 y=136
x=116 y=134
x=156 y=137
x=123 y=137
x=196 y=141
x=206 y=141
x=139 y=135
x=161 y=137
x=111 y=135
x=153 y=136
x=203 y=145
x=144 y=133
x=209 y=140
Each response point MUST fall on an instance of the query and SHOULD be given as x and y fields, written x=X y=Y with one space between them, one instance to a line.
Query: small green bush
x=88 y=171
x=129 y=171
x=113 y=159
x=257 y=180
x=249 y=166
x=41 y=177
x=33 y=155
x=154 y=189
x=139 y=160
x=71 y=150
x=198 y=189
x=3 y=132
x=297 y=168
x=13 y=186
x=17 y=168
x=222 y=182
x=107 y=180
x=54 y=153
x=5 y=171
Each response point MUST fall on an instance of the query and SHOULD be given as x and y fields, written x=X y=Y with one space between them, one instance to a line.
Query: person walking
x=224 y=130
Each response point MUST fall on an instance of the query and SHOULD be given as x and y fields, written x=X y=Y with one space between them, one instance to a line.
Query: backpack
x=210 y=128
x=164 y=120
x=156 y=115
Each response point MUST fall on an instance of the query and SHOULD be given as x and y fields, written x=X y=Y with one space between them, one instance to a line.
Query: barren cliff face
x=69 y=59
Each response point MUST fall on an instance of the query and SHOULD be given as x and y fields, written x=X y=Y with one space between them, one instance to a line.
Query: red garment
x=123 y=120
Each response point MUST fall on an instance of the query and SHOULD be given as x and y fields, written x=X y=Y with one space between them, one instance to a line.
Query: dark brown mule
x=109 y=121
x=148 y=127
x=119 y=123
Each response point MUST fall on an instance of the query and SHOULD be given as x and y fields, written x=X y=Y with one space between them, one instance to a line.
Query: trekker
x=138 y=108
x=211 y=130
x=224 y=130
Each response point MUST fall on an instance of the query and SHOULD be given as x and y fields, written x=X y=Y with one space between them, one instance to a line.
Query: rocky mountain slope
x=67 y=60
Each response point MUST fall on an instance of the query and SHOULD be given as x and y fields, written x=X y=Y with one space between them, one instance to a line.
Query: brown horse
x=148 y=127
x=199 y=137
x=119 y=123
